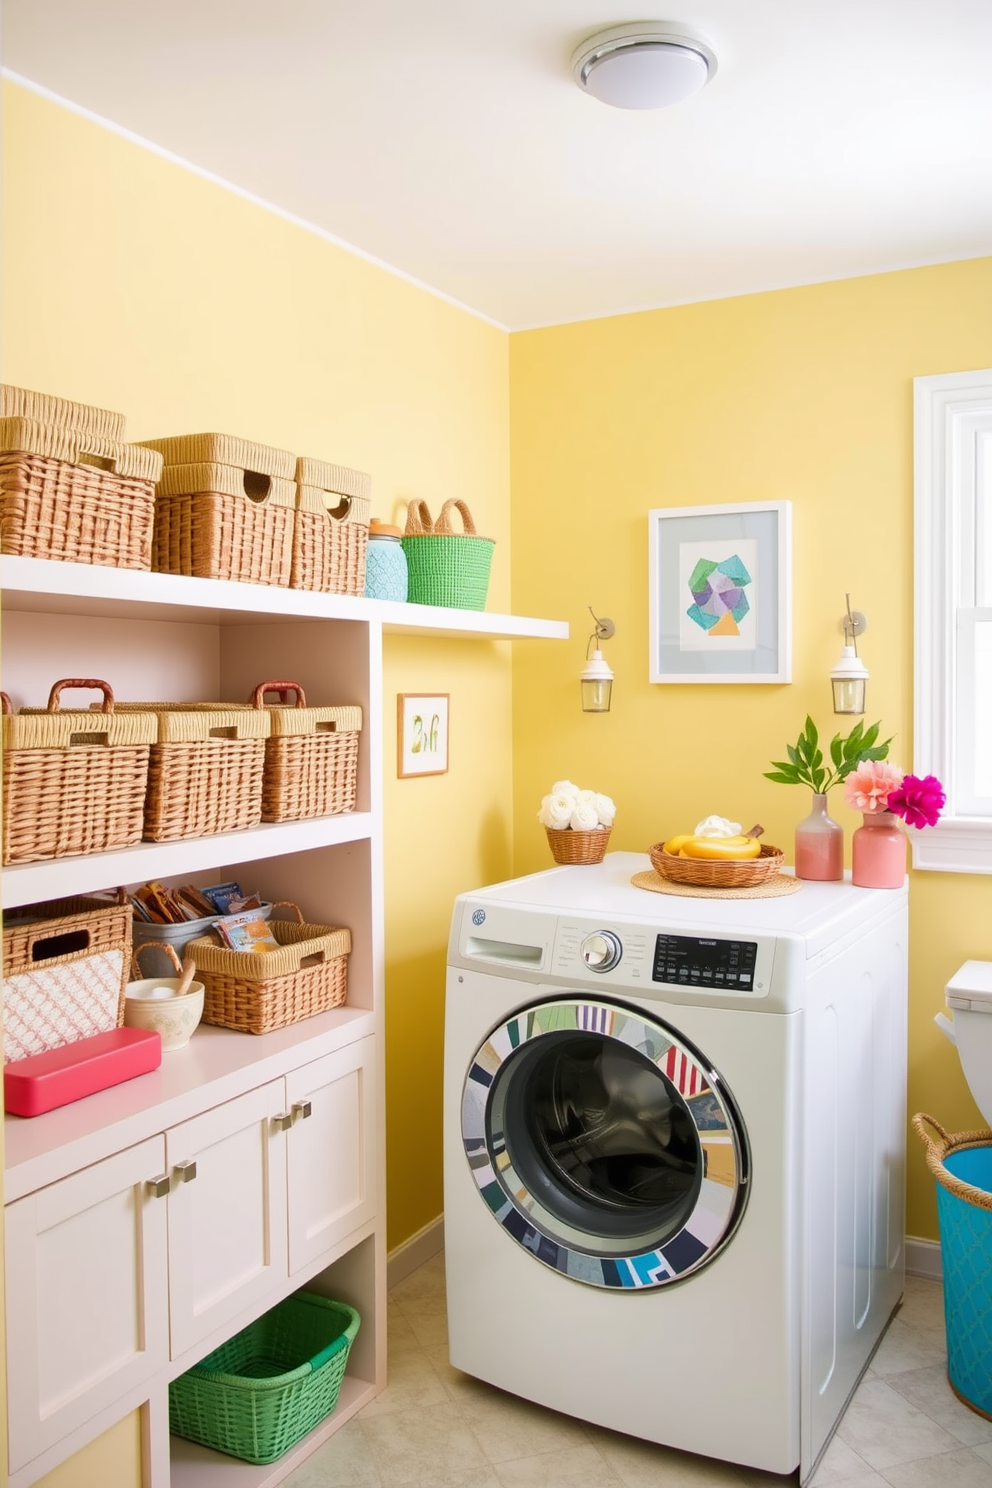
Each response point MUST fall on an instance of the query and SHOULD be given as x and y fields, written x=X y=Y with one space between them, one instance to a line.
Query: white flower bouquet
x=578 y=822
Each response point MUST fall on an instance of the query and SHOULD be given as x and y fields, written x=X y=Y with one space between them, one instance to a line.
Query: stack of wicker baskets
x=70 y=488
x=333 y=505
x=230 y=508
x=225 y=509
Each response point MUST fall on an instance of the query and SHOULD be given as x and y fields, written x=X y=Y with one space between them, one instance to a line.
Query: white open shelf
x=31 y=883
x=40 y=585
x=194 y=1466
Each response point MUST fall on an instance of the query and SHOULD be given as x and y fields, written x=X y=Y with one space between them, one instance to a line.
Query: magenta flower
x=920 y=802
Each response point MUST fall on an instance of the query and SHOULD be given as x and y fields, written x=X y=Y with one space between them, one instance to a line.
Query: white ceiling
x=447 y=139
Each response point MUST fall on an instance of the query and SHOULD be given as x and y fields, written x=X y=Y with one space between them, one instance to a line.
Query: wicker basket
x=42 y=408
x=715 y=873
x=311 y=756
x=264 y=1389
x=446 y=567
x=578 y=847
x=73 y=782
x=257 y=991
x=331 y=534
x=76 y=497
x=225 y=508
x=205 y=770
x=65 y=970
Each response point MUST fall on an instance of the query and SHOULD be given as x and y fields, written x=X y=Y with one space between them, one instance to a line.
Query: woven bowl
x=712 y=873
x=578 y=847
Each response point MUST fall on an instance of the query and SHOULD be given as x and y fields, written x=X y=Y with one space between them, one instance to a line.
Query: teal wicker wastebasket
x=446 y=567
x=264 y=1389
x=962 y=1166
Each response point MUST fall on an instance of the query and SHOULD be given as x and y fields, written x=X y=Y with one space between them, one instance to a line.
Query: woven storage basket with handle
x=256 y=992
x=205 y=770
x=961 y=1163
x=74 y=496
x=331 y=535
x=712 y=873
x=74 y=781
x=65 y=970
x=225 y=508
x=311 y=756
x=446 y=567
x=43 y=408
x=265 y=1388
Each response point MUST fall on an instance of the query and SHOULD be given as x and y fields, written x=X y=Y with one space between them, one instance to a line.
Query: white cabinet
x=331 y=1151
x=87 y=1307
x=227 y=1214
x=111 y=1291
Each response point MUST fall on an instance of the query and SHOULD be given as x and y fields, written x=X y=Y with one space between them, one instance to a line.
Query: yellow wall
x=802 y=395
x=112 y=1460
x=134 y=284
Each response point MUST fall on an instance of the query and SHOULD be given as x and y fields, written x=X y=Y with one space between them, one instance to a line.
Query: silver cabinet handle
x=159 y=1186
x=302 y=1110
x=185 y=1171
x=283 y=1121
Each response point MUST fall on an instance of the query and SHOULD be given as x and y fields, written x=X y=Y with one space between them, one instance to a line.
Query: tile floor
x=436 y=1428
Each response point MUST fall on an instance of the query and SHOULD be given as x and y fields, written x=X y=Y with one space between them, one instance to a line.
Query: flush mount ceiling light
x=646 y=65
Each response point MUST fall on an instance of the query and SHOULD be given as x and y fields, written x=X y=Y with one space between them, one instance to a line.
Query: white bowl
x=153 y=1004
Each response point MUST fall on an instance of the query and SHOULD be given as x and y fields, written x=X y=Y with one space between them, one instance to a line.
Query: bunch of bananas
x=716 y=837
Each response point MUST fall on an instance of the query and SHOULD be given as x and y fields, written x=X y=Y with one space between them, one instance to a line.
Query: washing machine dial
x=601 y=951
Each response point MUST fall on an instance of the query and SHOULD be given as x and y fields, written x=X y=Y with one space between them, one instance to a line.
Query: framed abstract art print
x=721 y=593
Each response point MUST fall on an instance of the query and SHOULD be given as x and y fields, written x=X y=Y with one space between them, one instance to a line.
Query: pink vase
x=820 y=844
x=879 y=852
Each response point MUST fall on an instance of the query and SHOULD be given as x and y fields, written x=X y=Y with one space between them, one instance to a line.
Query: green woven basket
x=264 y=1389
x=445 y=567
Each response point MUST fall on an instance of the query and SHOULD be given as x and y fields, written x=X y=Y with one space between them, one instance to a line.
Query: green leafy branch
x=805 y=763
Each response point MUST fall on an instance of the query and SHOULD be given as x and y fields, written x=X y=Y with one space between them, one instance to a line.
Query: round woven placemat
x=772 y=888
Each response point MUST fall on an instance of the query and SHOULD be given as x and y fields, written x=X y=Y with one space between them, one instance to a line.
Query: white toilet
x=969 y=996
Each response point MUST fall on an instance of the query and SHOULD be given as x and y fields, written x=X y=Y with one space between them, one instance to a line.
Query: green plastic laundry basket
x=264 y=1389
x=962 y=1166
x=445 y=567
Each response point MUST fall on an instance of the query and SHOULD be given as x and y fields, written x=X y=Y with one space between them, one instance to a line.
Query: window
x=953 y=652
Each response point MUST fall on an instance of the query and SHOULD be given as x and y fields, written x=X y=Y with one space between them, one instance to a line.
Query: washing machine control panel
x=699 y=961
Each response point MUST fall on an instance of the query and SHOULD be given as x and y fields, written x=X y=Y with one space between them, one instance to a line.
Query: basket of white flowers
x=578 y=823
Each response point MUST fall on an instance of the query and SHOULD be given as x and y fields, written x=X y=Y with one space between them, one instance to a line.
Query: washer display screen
x=687 y=961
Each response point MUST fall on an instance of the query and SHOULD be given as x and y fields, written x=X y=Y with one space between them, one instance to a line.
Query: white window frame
x=953 y=577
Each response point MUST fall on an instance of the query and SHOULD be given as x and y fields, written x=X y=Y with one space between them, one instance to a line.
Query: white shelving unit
x=157 y=635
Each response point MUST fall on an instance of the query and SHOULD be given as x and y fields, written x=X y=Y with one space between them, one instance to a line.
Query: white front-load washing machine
x=674 y=1137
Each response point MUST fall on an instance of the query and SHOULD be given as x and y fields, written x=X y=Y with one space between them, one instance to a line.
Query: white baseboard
x=421 y=1247
x=922 y=1256
x=923 y=1259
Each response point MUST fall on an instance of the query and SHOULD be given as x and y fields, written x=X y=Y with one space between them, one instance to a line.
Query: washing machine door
x=604 y=1143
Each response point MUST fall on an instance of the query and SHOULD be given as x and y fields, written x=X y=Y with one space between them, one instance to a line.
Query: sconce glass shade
x=597 y=684
x=848 y=680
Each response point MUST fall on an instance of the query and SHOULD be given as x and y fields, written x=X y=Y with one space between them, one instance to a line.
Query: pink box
x=43 y=1081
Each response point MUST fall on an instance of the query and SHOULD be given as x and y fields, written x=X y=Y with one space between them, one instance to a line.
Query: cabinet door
x=87 y=1308
x=331 y=1150
x=227 y=1215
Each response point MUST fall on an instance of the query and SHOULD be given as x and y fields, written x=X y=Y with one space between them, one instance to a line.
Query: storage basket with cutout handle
x=73 y=780
x=446 y=568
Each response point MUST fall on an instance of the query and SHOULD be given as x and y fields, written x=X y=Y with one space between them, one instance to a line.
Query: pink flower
x=919 y=801
x=868 y=787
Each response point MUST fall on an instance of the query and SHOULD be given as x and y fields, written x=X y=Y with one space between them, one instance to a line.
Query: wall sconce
x=597 y=679
x=849 y=676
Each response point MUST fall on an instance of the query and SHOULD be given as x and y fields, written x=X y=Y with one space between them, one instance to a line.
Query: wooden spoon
x=189 y=972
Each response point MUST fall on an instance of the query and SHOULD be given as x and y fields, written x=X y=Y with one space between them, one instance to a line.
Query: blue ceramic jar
x=385 y=563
